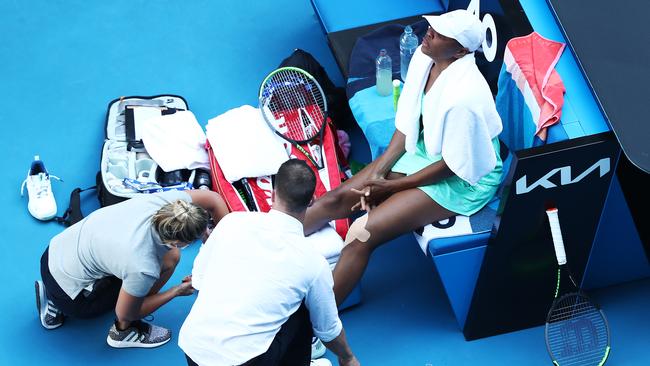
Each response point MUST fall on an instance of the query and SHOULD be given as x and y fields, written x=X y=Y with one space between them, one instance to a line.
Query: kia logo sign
x=603 y=166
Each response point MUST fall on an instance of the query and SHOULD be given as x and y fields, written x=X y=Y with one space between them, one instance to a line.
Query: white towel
x=175 y=141
x=244 y=145
x=327 y=242
x=458 y=114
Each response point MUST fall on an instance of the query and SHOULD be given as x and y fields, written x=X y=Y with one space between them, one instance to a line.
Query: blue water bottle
x=408 y=43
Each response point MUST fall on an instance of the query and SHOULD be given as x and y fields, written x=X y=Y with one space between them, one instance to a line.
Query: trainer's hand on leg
x=185 y=288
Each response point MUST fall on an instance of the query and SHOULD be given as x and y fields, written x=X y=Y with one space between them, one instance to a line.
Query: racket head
x=577 y=332
x=293 y=104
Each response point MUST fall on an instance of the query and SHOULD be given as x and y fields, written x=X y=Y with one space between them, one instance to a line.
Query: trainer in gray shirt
x=114 y=241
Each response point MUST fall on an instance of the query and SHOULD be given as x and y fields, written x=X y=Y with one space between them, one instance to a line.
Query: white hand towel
x=458 y=115
x=327 y=242
x=175 y=141
x=244 y=145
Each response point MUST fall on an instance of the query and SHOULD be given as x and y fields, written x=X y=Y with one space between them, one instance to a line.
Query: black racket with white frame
x=294 y=106
x=577 y=332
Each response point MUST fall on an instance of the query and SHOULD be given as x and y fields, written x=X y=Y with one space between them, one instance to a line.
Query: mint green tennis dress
x=453 y=193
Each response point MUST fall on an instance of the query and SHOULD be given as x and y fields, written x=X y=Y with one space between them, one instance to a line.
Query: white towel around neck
x=458 y=114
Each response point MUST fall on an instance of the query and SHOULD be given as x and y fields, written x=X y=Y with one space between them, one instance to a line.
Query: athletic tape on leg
x=358 y=231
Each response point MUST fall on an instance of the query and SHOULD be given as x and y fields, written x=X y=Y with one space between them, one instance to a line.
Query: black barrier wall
x=516 y=284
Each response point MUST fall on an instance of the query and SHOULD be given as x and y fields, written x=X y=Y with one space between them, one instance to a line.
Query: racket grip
x=556 y=232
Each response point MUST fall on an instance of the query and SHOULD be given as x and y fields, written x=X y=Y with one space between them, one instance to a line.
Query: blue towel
x=376 y=118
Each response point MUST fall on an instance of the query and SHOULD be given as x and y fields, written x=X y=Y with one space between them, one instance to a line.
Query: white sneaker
x=39 y=188
x=320 y=362
x=317 y=348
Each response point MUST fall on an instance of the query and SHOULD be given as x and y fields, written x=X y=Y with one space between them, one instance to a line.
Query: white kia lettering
x=603 y=165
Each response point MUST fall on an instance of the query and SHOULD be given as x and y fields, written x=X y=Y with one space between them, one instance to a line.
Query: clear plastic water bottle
x=408 y=43
x=384 y=74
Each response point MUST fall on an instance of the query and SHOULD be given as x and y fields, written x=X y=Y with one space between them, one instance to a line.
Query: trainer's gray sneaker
x=138 y=334
x=50 y=316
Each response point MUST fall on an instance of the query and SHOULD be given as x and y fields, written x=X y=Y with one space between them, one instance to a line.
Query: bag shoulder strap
x=73 y=213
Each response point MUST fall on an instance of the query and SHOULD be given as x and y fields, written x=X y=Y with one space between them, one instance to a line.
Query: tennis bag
x=126 y=169
x=254 y=193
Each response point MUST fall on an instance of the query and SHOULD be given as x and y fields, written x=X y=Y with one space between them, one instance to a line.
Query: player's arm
x=387 y=159
x=211 y=201
x=323 y=314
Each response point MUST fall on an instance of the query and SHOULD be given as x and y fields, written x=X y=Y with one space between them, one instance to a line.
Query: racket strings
x=577 y=332
x=568 y=311
x=296 y=104
x=305 y=99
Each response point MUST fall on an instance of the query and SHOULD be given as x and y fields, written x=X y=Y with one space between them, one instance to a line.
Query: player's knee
x=358 y=231
x=356 y=250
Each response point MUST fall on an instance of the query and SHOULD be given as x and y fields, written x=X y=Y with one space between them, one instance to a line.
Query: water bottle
x=408 y=42
x=202 y=180
x=384 y=74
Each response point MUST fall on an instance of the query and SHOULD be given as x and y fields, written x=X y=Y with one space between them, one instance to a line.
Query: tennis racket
x=293 y=105
x=576 y=332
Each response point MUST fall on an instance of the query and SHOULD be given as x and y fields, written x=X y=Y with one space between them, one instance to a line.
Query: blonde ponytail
x=180 y=221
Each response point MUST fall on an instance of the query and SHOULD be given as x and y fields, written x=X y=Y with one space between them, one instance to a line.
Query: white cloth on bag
x=464 y=141
x=327 y=242
x=175 y=141
x=244 y=145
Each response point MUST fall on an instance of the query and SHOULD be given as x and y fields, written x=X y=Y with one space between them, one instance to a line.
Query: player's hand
x=363 y=196
x=375 y=191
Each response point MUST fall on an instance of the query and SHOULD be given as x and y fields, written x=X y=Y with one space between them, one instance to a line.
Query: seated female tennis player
x=443 y=159
x=119 y=257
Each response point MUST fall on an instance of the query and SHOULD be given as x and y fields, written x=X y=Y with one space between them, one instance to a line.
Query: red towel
x=536 y=57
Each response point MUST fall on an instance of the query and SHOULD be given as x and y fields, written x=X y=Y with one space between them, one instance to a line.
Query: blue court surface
x=60 y=65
